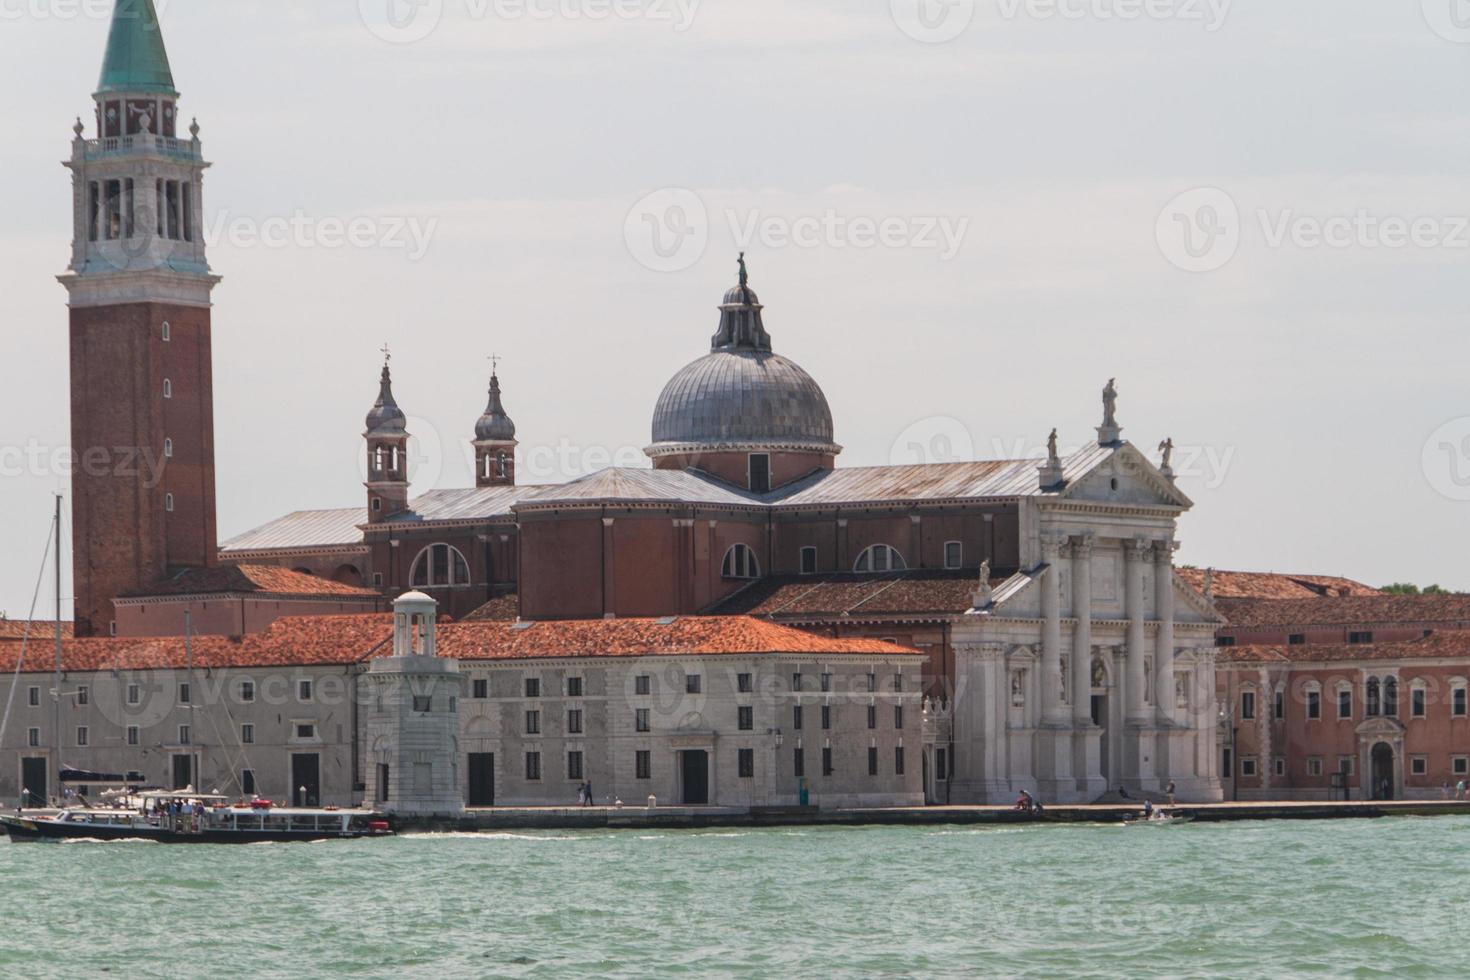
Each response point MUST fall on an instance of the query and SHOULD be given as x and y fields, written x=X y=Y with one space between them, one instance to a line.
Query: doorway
x=1383 y=776
x=183 y=771
x=482 y=779
x=33 y=782
x=694 y=765
x=306 y=780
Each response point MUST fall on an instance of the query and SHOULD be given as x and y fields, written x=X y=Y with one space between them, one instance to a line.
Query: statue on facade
x=1110 y=404
x=1053 y=454
x=1167 y=448
x=744 y=272
x=985 y=574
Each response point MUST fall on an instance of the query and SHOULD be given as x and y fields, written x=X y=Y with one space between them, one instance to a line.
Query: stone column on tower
x=1164 y=647
x=1137 y=554
x=1081 y=673
x=1054 y=711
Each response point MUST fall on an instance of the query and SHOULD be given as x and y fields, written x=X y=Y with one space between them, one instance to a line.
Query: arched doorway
x=1383 y=776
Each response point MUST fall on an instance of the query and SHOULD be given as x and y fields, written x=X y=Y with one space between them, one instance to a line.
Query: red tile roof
x=901 y=594
x=502 y=609
x=1440 y=645
x=1271 y=585
x=15 y=629
x=292 y=642
x=1364 y=611
x=686 y=636
x=253 y=580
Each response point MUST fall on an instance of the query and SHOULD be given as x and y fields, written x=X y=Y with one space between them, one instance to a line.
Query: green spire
x=136 y=60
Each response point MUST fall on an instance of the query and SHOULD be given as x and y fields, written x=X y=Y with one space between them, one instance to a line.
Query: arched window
x=740 y=562
x=439 y=566
x=168 y=503
x=1391 y=697
x=880 y=558
x=1375 y=699
x=168 y=388
x=500 y=465
x=168 y=449
x=167 y=332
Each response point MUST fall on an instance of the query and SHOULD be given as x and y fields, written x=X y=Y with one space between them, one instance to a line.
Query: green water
x=1369 y=898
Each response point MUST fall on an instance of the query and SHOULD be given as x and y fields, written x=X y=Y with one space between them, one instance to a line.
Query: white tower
x=413 y=720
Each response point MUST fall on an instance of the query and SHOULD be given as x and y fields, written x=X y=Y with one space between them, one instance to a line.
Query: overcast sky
x=962 y=218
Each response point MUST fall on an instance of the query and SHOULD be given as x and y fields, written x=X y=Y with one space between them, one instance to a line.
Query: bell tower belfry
x=139 y=288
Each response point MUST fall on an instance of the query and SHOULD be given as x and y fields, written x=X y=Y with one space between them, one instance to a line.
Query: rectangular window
x=1314 y=705
x=745 y=683
x=187 y=206
x=1419 y=766
x=954 y=555
x=898 y=717
x=423 y=704
x=826 y=717
x=872 y=716
x=872 y=683
x=1457 y=702
x=747 y=719
x=574 y=722
x=898 y=683
x=1345 y=703
x=84 y=697
x=247 y=734
x=247 y=692
x=1248 y=768
x=94 y=209
x=747 y=763
x=798 y=760
x=184 y=735
x=1417 y=703
x=1279 y=767
x=798 y=718
x=82 y=735
x=796 y=682
x=1228 y=767
x=641 y=721
x=247 y=782
x=112 y=223
x=693 y=684
x=873 y=760
x=899 y=764
x=827 y=769
x=533 y=687
x=135 y=694
x=574 y=687
x=305 y=733
x=1297 y=640
x=643 y=685
x=533 y=723
x=1248 y=706
x=808 y=561
x=135 y=735
x=1224 y=641
x=826 y=683
x=1279 y=708
x=1346 y=765
x=643 y=765
x=482 y=689
x=34 y=697
x=303 y=691
x=533 y=767
x=33 y=738
x=941 y=764
x=760 y=473
x=1361 y=636
x=1314 y=767
x=574 y=765
x=1461 y=765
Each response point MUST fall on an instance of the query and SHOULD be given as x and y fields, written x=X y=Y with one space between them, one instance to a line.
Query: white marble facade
x=1093 y=670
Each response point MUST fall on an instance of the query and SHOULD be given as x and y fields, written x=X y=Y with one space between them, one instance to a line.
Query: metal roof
x=618 y=485
x=303 y=529
x=474 y=504
x=136 y=60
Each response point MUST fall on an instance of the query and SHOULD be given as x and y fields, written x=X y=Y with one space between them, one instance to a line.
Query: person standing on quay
x=591 y=800
x=1171 y=791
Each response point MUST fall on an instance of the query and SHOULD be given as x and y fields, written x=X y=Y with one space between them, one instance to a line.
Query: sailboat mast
x=56 y=680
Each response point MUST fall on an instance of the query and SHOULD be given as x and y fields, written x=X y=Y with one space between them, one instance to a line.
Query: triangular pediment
x=1127 y=477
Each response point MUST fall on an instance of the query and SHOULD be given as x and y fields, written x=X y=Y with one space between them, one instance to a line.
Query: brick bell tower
x=495 y=442
x=387 y=452
x=139 y=285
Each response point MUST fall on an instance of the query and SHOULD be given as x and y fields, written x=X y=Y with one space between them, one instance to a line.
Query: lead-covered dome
x=742 y=396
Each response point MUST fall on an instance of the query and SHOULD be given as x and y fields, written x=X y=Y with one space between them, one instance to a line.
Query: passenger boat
x=195 y=818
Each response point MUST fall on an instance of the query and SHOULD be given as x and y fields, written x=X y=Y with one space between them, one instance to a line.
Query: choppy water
x=1363 y=898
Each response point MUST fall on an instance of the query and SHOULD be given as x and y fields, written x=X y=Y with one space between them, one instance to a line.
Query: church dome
x=742 y=396
x=386 y=418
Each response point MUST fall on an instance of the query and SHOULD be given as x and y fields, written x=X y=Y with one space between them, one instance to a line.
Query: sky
x=963 y=217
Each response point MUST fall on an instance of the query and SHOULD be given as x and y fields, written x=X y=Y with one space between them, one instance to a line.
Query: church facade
x=1063 y=655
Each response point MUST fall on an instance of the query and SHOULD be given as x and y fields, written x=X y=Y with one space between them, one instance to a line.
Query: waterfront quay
x=501 y=819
